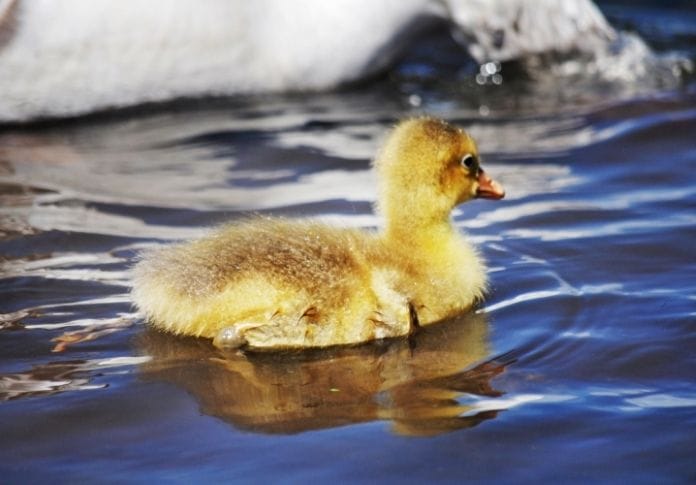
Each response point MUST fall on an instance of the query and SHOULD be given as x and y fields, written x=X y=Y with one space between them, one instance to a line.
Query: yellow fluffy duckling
x=273 y=283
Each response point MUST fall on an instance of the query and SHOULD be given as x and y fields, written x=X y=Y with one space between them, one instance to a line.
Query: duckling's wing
x=305 y=254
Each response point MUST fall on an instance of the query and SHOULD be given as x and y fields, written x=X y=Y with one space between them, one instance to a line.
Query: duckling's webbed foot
x=413 y=321
x=397 y=321
x=233 y=337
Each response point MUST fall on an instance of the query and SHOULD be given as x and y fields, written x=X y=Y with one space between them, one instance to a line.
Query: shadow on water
x=416 y=384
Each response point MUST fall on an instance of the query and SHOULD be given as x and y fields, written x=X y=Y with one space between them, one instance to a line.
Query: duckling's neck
x=424 y=235
x=417 y=221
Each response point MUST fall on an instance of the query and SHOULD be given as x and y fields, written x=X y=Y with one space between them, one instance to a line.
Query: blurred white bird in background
x=73 y=57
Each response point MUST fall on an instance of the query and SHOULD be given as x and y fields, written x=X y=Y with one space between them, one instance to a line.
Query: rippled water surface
x=579 y=366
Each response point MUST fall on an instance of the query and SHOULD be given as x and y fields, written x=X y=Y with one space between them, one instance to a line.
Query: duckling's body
x=274 y=283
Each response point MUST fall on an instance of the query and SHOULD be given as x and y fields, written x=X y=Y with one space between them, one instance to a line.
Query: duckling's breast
x=440 y=276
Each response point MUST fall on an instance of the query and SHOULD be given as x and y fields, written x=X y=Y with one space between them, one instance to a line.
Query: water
x=579 y=366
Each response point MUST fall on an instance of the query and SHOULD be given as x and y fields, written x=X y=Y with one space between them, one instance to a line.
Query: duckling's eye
x=469 y=161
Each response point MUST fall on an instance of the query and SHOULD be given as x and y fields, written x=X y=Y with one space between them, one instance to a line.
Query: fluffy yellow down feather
x=274 y=283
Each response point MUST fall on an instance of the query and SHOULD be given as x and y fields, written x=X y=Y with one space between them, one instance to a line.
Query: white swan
x=72 y=57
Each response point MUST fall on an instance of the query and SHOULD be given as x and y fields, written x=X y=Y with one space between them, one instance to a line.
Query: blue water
x=578 y=367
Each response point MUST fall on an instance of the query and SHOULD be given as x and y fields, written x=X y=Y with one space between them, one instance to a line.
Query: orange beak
x=489 y=188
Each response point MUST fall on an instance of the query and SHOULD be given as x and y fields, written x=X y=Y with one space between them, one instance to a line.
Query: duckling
x=269 y=283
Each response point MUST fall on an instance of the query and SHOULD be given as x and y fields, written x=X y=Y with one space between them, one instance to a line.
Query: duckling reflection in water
x=272 y=283
x=417 y=386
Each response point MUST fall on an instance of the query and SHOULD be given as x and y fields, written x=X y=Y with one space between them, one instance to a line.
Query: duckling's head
x=426 y=168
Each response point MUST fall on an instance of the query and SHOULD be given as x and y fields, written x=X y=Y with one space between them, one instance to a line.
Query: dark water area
x=578 y=367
